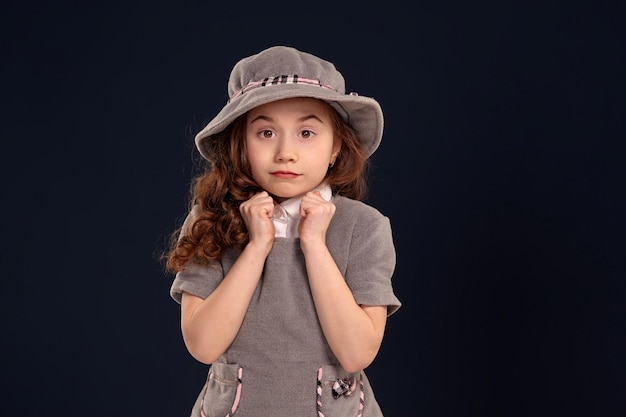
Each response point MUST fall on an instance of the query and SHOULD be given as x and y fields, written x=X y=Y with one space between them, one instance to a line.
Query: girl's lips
x=284 y=174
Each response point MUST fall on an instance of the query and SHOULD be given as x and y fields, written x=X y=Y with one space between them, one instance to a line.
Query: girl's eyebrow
x=261 y=117
x=300 y=119
x=310 y=116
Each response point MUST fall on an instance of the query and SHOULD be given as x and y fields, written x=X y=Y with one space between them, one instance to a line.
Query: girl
x=282 y=273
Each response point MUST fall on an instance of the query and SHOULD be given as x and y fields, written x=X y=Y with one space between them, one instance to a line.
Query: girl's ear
x=333 y=157
x=336 y=149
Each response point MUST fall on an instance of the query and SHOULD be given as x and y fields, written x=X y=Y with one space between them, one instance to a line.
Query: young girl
x=282 y=273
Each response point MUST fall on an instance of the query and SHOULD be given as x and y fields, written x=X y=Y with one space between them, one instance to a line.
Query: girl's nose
x=285 y=151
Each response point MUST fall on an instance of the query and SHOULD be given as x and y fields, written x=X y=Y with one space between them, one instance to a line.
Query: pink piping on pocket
x=319 y=393
x=361 y=397
x=238 y=394
x=235 y=401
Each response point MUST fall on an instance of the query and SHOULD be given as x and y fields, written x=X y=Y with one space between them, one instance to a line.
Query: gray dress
x=280 y=364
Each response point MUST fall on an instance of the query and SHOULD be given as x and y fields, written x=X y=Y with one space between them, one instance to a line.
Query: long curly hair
x=227 y=182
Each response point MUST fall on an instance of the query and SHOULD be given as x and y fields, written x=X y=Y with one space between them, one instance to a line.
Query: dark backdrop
x=500 y=170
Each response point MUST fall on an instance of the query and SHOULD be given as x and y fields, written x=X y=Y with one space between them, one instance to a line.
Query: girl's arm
x=354 y=332
x=209 y=326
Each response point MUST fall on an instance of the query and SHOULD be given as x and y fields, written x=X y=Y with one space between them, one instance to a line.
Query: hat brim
x=364 y=113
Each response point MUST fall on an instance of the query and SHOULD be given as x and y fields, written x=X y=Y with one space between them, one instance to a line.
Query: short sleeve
x=196 y=279
x=372 y=263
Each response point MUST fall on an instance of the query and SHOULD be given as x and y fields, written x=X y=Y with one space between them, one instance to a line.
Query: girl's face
x=289 y=145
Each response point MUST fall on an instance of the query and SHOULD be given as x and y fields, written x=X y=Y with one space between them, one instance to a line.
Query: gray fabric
x=245 y=91
x=280 y=346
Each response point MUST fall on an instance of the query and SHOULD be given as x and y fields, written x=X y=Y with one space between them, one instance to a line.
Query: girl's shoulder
x=354 y=213
x=349 y=207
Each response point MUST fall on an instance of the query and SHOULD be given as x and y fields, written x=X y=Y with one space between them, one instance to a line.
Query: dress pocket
x=222 y=391
x=339 y=393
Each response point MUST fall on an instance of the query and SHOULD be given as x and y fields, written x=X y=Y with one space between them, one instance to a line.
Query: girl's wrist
x=259 y=248
x=310 y=247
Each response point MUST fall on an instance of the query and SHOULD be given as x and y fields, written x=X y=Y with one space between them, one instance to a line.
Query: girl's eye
x=267 y=134
x=306 y=134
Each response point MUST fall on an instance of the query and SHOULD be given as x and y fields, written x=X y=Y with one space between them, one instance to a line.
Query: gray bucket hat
x=283 y=72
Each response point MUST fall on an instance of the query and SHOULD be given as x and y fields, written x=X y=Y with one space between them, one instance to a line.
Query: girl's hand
x=257 y=214
x=316 y=215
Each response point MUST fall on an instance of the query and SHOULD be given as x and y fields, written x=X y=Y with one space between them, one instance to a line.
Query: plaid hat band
x=279 y=79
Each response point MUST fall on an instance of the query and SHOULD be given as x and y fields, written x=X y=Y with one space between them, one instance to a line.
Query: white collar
x=287 y=214
x=292 y=205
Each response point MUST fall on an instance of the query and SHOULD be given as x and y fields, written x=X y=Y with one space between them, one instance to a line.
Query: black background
x=500 y=169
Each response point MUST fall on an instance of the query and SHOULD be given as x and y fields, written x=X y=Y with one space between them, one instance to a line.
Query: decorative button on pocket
x=343 y=387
